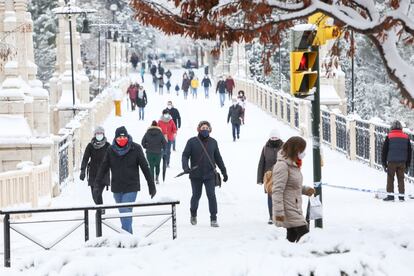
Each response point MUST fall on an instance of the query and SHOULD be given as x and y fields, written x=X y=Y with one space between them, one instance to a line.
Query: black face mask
x=274 y=143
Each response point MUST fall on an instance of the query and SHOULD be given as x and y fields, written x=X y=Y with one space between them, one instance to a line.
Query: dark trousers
x=167 y=151
x=395 y=169
x=98 y=199
x=270 y=205
x=235 y=130
x=295 y=233
x=197 y=188
x=154 y=160
x=133 y=103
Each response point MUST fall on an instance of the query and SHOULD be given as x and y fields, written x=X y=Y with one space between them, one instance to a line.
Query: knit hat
x=274 y=133
x=154 y=123
x=121 y=131
x=396 y=125
x=99 y=129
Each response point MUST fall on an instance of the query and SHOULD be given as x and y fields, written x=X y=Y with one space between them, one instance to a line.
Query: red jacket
x=230 y=85
x=132 y=91
x=168 y=129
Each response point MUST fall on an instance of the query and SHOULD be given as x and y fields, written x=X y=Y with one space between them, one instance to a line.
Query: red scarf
x=299 y=163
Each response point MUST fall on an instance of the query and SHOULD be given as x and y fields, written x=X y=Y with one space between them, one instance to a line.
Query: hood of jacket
x=154 y=130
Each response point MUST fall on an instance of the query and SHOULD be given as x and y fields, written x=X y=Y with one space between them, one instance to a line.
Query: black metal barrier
x=100 y=219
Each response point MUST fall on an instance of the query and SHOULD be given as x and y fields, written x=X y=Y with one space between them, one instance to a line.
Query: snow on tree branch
x=226 y=21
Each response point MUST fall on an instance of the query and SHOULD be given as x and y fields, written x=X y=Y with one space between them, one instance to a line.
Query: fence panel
x=288 y=110
x=326 y=127
x=380 y=134
x=342 y=140
x=276 y=104
x=296 y=112
x=63 y=160
x=362 y=141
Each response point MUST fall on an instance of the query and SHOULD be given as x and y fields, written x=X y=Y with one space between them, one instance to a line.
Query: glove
x=152 y=192
x=280 y=218
x=310 y=192
x=225 y=177
x=82 y=175
x=384 y=167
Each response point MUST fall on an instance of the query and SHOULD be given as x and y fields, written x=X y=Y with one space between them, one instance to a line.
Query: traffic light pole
x=316 y=121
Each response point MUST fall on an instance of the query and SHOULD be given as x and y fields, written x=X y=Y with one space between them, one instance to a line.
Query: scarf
x=299 y=163
x=121 y=151
x=98 y=144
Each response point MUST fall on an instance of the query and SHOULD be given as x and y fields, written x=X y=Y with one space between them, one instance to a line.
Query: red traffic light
x=303 y=64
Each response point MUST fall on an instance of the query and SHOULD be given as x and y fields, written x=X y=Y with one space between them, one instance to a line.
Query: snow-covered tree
x=385 y=23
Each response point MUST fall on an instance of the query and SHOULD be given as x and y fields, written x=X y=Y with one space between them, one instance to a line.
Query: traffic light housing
x=303 y=72
x=325 y=31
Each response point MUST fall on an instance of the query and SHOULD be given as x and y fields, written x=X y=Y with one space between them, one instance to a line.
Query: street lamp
x=68 y=10
x=113 y=8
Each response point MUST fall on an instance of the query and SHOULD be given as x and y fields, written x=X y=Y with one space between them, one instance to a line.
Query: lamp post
x=69 y=10
x=113 y=8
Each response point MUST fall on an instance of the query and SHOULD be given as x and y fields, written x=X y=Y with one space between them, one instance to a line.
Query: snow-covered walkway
x=361 y=235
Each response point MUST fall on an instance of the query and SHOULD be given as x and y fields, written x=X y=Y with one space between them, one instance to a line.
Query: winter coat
x=206 y=82
x=195 y=83
x=142 y=71
x=96 y=156
x=396 y=148
x=230 y=85
x=160 y=70
x=268 y=158
x=153 y=140
x=132 y=92
x=142 y=101
x=287 y=192
x=168 y=74
x=125 y=168
x=235 y=112
x=221 y=87
x=175 y=114
x=153 y=70
x=194 y=152
x=168 y=128
x=185 y=85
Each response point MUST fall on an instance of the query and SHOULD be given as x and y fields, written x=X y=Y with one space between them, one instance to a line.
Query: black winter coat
x=125 y=169
x=396 y=148
x=194 y=152
x=221 y=87
x=185 y=85
x=175 y=114
x=206 y=82
x=235 y=112
x=153 y=140
x=96 y=157
x=268 y=158
x=142 y=102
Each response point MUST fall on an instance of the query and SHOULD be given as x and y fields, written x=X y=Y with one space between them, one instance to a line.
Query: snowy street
x=362 y=235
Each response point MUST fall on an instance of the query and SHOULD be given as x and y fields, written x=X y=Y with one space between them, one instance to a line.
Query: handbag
x=217 y=176
x=315 y=208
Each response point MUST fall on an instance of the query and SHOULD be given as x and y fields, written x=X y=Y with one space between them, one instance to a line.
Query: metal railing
x=63 y=153
x=100 y=220
x=362 y=141
x=326 y=127
x=342 y=140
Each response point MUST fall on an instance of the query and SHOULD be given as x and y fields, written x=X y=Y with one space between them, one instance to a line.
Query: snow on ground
x=361 y=235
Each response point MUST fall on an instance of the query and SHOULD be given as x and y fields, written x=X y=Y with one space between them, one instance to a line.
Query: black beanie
x=121 y=131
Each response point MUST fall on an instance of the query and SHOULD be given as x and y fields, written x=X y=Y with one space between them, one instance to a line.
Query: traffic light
x=303 y=72
x=325 y=30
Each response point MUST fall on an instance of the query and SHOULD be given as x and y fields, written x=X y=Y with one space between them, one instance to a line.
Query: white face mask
x=167 y=116
x=99 y=137
x=301 y=155
x=169 y=106
x=234 y=104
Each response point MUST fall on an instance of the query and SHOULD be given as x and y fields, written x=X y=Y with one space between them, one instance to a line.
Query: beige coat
x=287 y=193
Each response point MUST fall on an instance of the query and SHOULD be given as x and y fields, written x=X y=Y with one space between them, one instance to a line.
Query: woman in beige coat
x=287 y=189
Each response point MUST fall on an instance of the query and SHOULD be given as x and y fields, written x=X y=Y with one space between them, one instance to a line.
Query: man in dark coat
x=95 y=152
x=124 y=158
x=202 y=171
x=235 y=114
x=396 y=158
x=175 y=114
x=267 y=160
x=221 y=89
x=141 y=102
x=185 y=85
x=154 y=141
x=206 y=83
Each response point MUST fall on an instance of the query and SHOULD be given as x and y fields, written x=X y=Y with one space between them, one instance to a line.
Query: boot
x=156 y=180
x=214 y=223
x=401 y=198
x=389 y=198
x=193 y=220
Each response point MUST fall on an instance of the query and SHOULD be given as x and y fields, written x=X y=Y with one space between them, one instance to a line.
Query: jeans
x=142 y=78
x=167 y=152
x=141 y=113
x=123 y=198
x=185 y=95
x=222 y=99
x=173 y=144
x=235 y=130
x=161 y=89
x=270 y=205
x=194 y=92
x=206 y=92
x=197 y=188
x=230 y=94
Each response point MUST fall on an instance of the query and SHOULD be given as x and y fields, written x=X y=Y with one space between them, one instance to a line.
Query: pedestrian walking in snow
x=134 y=60
x=206 y=83
x=230 y=86
x=116 y=93
x=169 y=130
x=203 y=153
x=267 y=160
x=161 y=83
x=175 y=115
x=92 y=160
x=142 y=72
x=132 y=92
x=154 y=142
x=177 y=89
x=185 y=85
x=141 y=102
x=168 y=74
x=288 y=188
x=160 y=69
x=124 y=158
x=191 y=74
x=235 y=113
x=396 y=159
x=194 y=87
x=221 y=89
x=241 y=98
x=168 y=85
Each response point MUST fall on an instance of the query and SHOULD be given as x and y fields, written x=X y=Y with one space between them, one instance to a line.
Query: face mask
x=169 y=106
x=122 y=141
x=301 y=155
x=167 y=116
x=99 y=137
x=205 y=133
